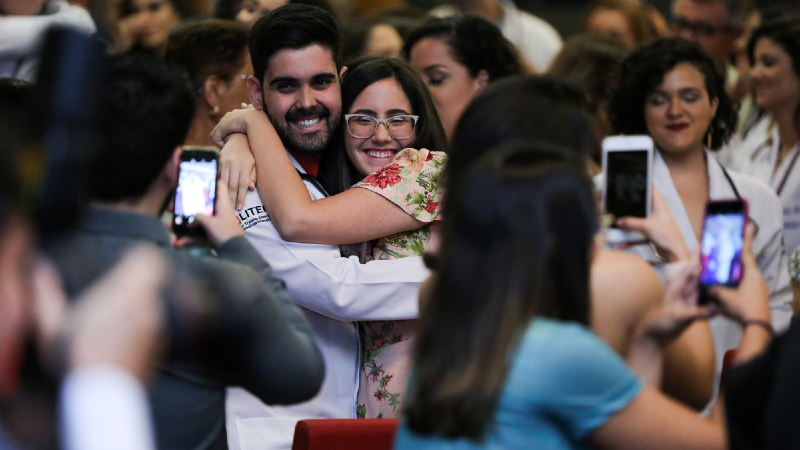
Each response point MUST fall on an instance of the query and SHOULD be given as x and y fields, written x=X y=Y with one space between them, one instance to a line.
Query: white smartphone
x=627 y=182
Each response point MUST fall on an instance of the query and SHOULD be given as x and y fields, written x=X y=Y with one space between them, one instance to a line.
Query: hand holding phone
x=628 y=181
x=721 y=244
x=750 y=299
x=197 y=190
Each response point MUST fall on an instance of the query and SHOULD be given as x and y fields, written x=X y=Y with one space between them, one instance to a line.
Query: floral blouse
x=411 y=182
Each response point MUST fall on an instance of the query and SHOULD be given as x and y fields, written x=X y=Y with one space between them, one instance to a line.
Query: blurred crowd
x=407 y=224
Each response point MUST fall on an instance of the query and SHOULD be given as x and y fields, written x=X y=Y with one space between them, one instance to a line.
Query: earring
x=214 y=111
x=709 y=135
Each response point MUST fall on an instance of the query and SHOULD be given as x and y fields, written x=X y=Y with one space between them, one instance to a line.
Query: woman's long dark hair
x=515 y=245
x=336 y=172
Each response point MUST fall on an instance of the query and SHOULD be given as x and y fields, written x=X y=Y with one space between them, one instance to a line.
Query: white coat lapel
x=663 y=181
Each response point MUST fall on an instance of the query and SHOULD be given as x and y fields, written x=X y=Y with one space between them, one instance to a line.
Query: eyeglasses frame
x=378 y=122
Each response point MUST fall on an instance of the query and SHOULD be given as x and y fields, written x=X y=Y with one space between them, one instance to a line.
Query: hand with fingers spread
x=660 y=229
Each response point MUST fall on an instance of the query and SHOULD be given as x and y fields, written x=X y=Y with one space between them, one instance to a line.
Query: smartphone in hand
x=721 y=246
x=627 y=182
x=197 y=189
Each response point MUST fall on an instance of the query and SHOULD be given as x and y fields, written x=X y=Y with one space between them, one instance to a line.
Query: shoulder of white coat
x=759 y=196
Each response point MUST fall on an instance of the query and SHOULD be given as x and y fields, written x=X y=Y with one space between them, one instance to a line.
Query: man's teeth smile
x=307 y=123
x=380 y=153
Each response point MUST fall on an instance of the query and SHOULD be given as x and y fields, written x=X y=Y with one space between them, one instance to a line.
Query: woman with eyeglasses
x=670 y=90
x=214 y=54
x=391 y=144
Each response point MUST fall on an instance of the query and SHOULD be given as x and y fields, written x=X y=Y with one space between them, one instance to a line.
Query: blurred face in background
x=707 y=23
x=450 y=83
x=612 y=24
x=151 y=21
x=251 y=10
x=776 y=85
x=383 y=40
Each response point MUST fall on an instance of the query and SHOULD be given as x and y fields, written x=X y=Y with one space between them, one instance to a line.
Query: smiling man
x=296 y=54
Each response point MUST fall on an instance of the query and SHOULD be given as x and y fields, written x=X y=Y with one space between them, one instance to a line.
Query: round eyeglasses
x=362 y=126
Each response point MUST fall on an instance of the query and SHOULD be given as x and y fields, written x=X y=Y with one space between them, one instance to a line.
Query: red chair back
x=345 y=434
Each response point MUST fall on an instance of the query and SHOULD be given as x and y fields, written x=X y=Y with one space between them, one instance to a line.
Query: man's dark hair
x=145 y=110
x=293 y=26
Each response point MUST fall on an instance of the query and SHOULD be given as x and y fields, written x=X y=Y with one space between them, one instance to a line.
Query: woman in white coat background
x=774 y=52
x=670 y=90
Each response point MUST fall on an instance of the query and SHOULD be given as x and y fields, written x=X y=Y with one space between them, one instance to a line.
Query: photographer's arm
x=353 y=216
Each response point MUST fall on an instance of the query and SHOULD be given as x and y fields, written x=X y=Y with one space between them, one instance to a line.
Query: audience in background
x=214 y=54
x=247 y=12
x=374 y=36
x=536 y=39
x=458 y=57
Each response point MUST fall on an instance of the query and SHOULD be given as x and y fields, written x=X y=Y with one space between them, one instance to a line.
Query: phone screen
x=197 y=183
x=721 y=247
x=626 y=183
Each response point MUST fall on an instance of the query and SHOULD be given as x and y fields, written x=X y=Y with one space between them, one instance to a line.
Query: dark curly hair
x=643 y=71
x=474 y=42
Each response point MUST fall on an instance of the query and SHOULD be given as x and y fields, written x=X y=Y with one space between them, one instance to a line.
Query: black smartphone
x=721 y=245
x=197 y=189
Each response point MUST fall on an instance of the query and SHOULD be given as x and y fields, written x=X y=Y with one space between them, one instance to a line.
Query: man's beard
x=309 y=143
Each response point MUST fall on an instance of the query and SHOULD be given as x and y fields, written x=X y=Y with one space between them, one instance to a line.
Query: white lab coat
x=761 y=165
x=334 y=292
x=765 y=211
x=738 y=153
